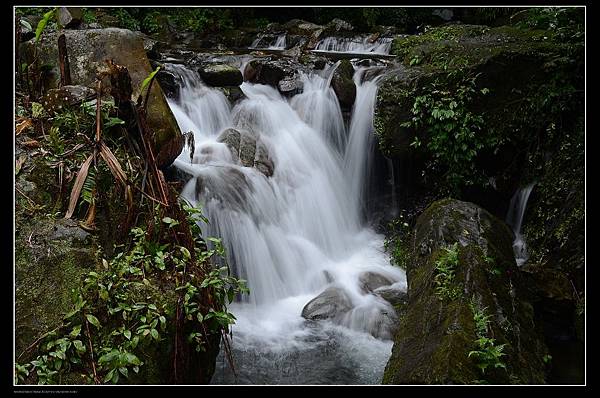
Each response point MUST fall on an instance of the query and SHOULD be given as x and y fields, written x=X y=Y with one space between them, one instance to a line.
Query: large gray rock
x=220 y=75
x=369 y=281
x=343 y=85
x=438 y=330
x=88 y=51
x=331 y=303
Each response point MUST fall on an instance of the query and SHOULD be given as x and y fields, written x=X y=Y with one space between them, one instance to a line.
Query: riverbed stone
x=219 y=75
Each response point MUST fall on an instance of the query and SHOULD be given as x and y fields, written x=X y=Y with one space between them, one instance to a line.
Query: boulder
x=69 y=17
x=343 y=85
x=332 y=303
x=269 y=72
x=169 y=82
x=369 y=281
x=248 y=149
x=89 y=49
x=396 y=297
x=440 y=329
x=219 y=75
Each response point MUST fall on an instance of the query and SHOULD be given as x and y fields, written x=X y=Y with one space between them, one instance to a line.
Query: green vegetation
x=396 y=241
x=120 y=310
x=488 y=354
x=454 y=133
x=445 y=267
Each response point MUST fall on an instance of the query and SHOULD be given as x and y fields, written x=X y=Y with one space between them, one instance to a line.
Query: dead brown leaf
x=81 y=176
x=23 y=125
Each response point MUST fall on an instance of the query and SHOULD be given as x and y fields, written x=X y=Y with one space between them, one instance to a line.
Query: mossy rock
x=50 y=258
x=89 y=50
x=437 y=333
x=343 y=85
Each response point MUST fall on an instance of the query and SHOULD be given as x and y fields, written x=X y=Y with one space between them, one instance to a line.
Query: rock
x=267 y=72
x=58 y=98
x=169 y=82
x=69 y=17
x=219 y=75
x=369 y=281
x=300 y=27
x=438 y=331
x=89 y=49
x=444 y=13
x=331 y=303
x=289 y=87
x=337 y=25
x=248 y=148
x=343 y=85
x=395 y=297
x=233 y=94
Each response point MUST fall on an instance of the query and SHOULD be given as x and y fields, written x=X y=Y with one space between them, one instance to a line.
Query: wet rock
x=69 y=17
x=392 y=295
x=289 y=87
x=331 y=303
x=248 y=149
x=219 y=75
x=343 y=85
x=369 y=281
x=169 y=82
x=438 y=330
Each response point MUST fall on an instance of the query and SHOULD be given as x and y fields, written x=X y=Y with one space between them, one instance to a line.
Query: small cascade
x=279 y=43
x=514 y=218
x=358 y=45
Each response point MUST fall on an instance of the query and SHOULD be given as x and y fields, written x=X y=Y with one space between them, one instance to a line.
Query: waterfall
x=514 y=218
x=278 y=44
x=359 y=45
x=294 y=233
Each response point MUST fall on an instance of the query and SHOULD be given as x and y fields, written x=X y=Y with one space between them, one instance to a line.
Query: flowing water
x=358 y=45
x=278 y=44
x=514 y=218
x=295 y=233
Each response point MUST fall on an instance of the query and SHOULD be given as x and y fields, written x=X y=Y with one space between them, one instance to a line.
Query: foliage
x=566 y=22
x=453 y=132
x=89 y=16
x=445 y=267
x=125 y=19
x=396 y=241
x=42 y=24
x=119 y=311
x=488 y=353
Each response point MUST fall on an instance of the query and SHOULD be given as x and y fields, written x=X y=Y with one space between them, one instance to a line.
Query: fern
x=56 y=141
x=88 y=192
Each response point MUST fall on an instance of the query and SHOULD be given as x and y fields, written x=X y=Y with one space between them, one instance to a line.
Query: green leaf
x=147 y=81
x=75 y=332
x=154 y=334
x=124 y=372
x=79 y=346
x=26 y=24
x=93 y=320
x=42 y=24
x=127 y=334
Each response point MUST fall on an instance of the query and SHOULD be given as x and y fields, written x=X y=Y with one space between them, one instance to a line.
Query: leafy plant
x=488 y=354
x=42 y=24
x=453 y=132
x=445 y=267
x=118 y=312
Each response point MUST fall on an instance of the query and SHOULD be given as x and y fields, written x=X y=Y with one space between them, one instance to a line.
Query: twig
x=26 y=197
x=87 y=327
x=38 y=340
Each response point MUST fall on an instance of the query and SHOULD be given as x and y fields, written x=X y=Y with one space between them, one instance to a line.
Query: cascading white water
x=514 y=218
x=278 y=44
x=359 y=45
x=293 y=234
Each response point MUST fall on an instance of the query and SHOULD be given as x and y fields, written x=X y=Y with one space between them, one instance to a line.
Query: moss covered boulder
x=343 y=85
x=88 y=50
x=467 y=320
x=511 y=70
